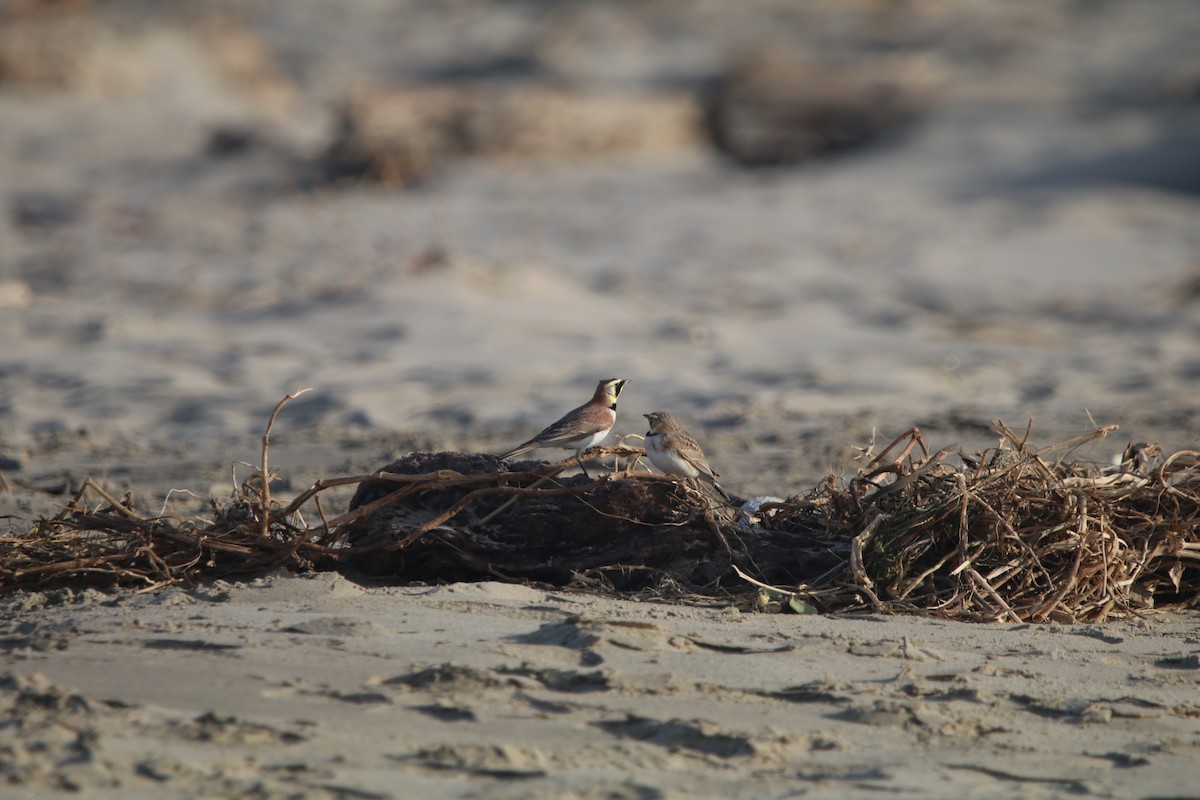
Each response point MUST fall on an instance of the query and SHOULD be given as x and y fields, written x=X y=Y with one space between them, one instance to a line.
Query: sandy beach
x=317 y=687
x=176 y=256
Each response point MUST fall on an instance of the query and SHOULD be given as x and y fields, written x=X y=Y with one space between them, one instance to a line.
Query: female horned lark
x=582 y=427
x=675 y=452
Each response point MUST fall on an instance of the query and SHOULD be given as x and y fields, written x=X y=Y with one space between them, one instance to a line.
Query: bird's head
x=658 y=420
x=609 y=390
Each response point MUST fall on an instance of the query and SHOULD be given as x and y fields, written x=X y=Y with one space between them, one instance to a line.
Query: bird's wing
x=691 y=452
x=574 y=425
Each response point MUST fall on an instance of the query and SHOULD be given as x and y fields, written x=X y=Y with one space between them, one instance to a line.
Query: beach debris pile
x=1013 y=533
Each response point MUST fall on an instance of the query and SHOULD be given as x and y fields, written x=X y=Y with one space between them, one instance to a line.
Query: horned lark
x=582 y=427
x=675 y=452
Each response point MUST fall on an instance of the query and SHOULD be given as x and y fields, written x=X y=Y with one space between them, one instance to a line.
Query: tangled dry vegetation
x=1021 y=533
x=1017 y=533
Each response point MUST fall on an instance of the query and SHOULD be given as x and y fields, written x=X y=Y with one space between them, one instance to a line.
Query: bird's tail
x=518 y=450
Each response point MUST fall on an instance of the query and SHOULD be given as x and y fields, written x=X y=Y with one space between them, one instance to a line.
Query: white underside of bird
x=587 y=441
x=667 y=460
x=578 y=444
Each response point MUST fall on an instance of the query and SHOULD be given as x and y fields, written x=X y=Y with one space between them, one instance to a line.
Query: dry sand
x=318 y=687
x=1029 y=250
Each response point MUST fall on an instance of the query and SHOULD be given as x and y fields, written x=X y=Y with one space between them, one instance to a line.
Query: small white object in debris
x=748 y=513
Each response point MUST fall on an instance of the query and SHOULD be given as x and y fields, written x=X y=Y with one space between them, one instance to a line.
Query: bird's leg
x=579 y=460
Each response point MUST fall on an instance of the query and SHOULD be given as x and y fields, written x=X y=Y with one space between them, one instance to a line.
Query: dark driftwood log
x=626 y=532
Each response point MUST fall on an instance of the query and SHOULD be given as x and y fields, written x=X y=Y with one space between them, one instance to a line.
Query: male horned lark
x=674 y=451
x=582 y=427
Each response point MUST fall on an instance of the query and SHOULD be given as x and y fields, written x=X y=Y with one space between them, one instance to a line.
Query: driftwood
x=626 y=530
x=1017 y=533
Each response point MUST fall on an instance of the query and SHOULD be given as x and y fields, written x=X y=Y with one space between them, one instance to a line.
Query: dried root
x=1020 y=534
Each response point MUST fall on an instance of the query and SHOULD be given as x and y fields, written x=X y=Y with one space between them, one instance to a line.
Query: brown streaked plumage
x=676 y=452
x=582 y=427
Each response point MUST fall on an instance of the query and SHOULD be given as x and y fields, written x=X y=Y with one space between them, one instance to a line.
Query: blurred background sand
x=451 y=219
x=797 y=226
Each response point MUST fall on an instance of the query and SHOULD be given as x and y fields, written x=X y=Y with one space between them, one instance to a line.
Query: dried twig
x=265 y=488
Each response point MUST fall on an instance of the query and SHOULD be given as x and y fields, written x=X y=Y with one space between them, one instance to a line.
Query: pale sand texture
x=1030 y=249
x=1024 y=252
x=317 y=687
